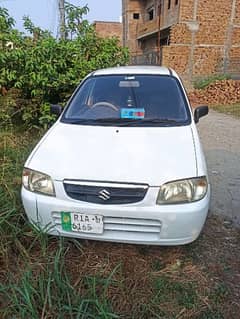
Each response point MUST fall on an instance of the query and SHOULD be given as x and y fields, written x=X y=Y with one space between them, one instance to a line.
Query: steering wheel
x=103 y=103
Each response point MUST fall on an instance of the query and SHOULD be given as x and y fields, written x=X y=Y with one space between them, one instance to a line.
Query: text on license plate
x=82 y=223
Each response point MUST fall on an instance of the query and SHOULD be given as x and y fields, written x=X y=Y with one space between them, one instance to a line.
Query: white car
x=122 y=163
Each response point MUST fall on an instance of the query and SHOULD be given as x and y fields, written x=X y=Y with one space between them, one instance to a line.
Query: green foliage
x=184 y=293
x=47 y=70
x=46 y=117
x=202 y=83
x=33 y=30
x=75 y=24
x=35 y=279
x=49 y=293
x=6 y=22
x=221 y=291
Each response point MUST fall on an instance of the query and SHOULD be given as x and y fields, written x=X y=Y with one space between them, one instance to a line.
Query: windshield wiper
x=107 y=121
x=125 y=121
x=150 y=121
x=155 y=120
x=80 y=121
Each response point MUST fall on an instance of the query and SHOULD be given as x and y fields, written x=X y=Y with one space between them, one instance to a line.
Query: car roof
x=137 y=69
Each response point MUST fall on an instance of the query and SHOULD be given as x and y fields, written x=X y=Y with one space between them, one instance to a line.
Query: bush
x=46 y=70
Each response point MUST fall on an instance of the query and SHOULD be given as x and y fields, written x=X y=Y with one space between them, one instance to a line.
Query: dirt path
x=220 y=136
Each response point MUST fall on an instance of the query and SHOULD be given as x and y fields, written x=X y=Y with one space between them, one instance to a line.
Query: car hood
x=151 y=155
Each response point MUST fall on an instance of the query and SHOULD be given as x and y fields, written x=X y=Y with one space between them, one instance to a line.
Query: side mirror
x=200 y=112
x=56 y=109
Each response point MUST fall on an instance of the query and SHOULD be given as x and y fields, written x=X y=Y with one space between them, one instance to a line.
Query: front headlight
x=38 y=182
x=183 y=191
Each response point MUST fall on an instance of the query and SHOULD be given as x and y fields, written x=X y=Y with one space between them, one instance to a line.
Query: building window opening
x=142 y=44
x=150 y=14
x=136 y=16
x=169 y=4
x=165 y=41
x=165 y=38
x=176 y=2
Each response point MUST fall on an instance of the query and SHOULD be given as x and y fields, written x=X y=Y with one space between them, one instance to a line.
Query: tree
x=6 y=22
x=76 y=25
x=36 y=32
x=47 y=70
x=6 y=25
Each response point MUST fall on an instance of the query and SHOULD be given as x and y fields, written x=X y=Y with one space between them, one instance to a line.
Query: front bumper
x=139 y=223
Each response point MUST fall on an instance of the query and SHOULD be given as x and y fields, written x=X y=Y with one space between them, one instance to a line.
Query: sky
x=44 y=13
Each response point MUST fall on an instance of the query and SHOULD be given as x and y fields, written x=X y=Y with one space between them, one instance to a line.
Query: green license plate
x=82 y=223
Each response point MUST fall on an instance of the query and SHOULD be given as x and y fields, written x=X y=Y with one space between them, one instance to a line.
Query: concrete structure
x=106 y=29
x=195 y=37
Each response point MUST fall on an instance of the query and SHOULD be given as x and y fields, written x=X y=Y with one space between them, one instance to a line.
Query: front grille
x=123 y=228
x=105 y=193
x=136 y=225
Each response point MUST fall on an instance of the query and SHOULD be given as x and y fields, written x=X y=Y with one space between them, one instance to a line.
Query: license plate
x=82 y=223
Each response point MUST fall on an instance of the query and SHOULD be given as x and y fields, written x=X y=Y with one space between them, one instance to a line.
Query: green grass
x=233 y=109
x=40 y=286
x=182 y=293
x=48 y=277
x=48 y=292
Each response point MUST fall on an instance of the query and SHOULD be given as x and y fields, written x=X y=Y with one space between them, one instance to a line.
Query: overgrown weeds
x=46 y=291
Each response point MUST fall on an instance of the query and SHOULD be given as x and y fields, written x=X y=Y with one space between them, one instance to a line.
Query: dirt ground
x=220 y=136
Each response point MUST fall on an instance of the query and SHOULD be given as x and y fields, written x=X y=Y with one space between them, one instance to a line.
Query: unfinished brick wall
x=234 y=61
x=207 y=61
x=109 y=29
x=180 y=34
x=234 y=51
x=176 y=58
x=170 y=16
x=131 y=25
x=144 y=29
x=213 y=18
x=208 y=29
x=186 y=10
x=204 y=35
x=237 y=14
x=236 y=36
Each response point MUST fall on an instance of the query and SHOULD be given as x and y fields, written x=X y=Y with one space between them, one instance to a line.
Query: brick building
x=195 y=37
x=106 y=29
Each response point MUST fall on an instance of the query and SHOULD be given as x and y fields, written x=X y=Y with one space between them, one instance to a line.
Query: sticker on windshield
x=131 y=113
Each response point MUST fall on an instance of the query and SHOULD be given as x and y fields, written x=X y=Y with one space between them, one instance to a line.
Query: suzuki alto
x=122 y=163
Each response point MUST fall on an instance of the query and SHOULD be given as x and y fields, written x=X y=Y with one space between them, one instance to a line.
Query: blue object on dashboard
x=132 y=113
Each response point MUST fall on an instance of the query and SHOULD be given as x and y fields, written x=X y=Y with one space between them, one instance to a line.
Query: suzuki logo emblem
x=104 y=195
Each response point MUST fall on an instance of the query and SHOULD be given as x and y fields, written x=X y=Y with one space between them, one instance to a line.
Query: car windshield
x=128 y=100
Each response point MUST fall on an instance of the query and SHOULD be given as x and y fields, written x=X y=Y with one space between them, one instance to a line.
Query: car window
x=139 y=99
